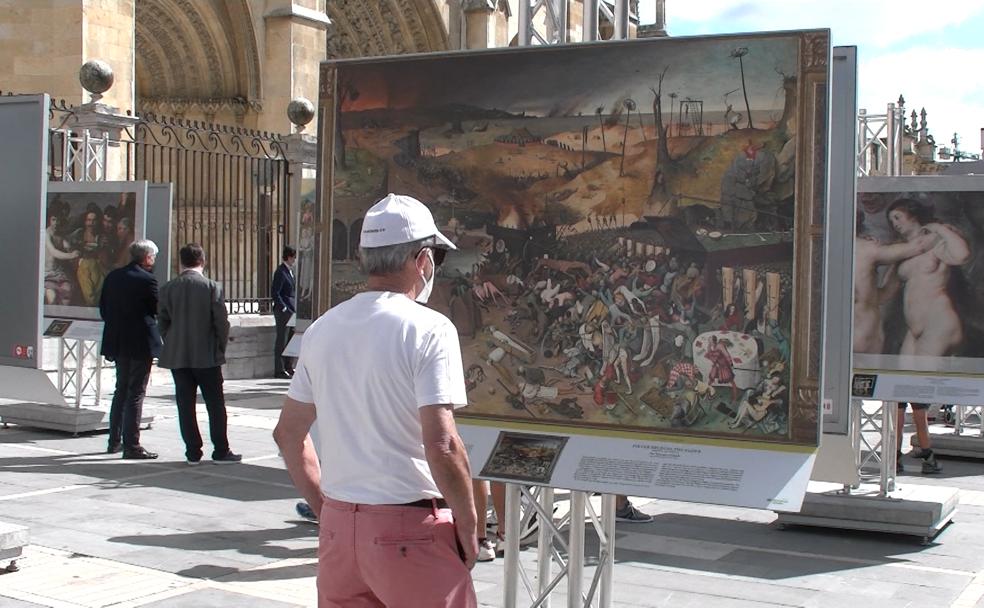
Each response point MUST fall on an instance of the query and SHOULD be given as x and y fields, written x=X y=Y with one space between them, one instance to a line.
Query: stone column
x=44 y=41
x=302 y=159
x=486 y=23
x=294 y=47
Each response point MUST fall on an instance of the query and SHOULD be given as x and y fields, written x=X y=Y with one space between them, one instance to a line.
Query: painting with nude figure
x=919 y=275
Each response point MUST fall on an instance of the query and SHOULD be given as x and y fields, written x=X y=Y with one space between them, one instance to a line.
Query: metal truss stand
x=74 y=378
x=967 y=438
x=880 y=138
x=552 y=547
x=878 y=503
x=79 y=380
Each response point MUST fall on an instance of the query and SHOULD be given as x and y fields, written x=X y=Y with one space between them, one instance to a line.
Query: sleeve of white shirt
x=440 y=377
x=300 y=385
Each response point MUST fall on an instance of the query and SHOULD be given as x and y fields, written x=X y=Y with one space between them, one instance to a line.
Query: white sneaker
x=486 y=551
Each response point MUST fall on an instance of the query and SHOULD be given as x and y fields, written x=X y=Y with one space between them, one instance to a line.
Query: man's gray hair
x=141 y=249
x=389 y=259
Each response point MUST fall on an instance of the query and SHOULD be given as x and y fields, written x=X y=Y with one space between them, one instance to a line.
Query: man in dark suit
x=128 y=306
x=282 y=291
x=195 y=327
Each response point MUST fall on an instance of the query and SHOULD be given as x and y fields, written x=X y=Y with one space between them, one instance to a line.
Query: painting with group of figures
x=632 y=220
x=89 y=228
x=919 y=275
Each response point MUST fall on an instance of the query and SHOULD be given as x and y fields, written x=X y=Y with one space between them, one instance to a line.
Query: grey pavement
x=108 y=532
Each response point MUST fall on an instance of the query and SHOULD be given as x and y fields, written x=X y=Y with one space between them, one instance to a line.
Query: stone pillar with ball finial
x=302 y=156
x=92 y=149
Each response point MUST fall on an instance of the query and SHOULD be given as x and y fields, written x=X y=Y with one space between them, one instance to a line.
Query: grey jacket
x=193 y=321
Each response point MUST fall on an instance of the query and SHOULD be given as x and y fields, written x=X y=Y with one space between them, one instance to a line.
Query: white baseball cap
x=400 y=219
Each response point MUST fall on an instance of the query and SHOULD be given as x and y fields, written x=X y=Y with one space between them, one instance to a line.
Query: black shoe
x=138 y=453
x=227 y=458
x=923 y=453
x=114 y=447
x=282 y=376
x=930 y=466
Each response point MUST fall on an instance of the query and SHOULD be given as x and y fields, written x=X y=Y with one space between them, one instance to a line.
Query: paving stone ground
x=106 y=532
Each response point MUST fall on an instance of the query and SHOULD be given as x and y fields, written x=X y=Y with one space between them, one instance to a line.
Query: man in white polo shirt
x=380 y=376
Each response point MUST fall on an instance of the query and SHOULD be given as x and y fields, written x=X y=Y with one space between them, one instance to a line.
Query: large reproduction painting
x=919 y=281
x=89 y=227
x=639 y=225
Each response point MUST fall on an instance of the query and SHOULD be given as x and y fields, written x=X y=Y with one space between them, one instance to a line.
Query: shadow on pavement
x=264 y=542
x=753 y=549
x=233 y=482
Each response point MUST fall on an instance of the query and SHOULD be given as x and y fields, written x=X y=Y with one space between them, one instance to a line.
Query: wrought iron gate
x=231 y=195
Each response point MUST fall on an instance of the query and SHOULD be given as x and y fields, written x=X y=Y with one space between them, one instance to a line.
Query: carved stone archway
x=385 y=27
x=197 y=56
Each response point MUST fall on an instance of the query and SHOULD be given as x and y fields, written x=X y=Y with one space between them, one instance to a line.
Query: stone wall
x=44 y=42
x=250 y=350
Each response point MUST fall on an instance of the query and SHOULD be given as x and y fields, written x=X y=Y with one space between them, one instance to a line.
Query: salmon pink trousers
x=392 y=556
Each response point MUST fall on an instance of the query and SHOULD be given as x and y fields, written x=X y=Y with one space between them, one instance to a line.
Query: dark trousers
x=284 y=334
x=125 y=412
x=187 y=381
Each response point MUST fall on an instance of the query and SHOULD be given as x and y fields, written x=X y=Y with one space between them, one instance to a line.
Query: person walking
x=380 y=376
x=195 y=327
x=128 y=307
x=284 y=306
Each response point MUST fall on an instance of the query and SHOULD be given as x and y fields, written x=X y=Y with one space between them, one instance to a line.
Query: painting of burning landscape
x=628 y=218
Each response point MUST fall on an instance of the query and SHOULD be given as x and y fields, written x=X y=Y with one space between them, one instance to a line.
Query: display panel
x=24 y=176
x=919 y=288
x=89 y=227
x=640 y=250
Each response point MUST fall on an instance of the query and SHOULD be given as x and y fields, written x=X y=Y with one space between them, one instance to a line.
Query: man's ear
x=420 y=262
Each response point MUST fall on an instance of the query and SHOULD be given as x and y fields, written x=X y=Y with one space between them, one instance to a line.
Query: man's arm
x=448 y=463
x=163 y=314
x=291 y=435
x=103 y=304
x=277 y=288
x=220 y=318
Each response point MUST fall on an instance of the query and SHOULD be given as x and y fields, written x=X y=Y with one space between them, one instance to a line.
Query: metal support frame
x=875 y=436
x=553 y=546
x=556 y=14
x=85 y=157
x=960 y=415
x=75 y=379
x=880 y=138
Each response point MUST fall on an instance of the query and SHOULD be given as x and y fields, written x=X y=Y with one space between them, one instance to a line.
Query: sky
x=930 y=52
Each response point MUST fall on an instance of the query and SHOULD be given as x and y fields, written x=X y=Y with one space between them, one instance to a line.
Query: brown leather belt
x=427 y=503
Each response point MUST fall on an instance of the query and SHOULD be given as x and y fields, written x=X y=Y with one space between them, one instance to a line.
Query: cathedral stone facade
x=236 y=62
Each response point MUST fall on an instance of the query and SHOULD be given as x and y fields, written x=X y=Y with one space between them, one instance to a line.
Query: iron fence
x=231 y=193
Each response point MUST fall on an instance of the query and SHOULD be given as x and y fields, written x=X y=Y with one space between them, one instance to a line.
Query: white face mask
x=425 y=293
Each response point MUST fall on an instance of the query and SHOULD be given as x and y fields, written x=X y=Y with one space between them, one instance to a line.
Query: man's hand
x=291 y=435
x=467 y=539
x=448 y=463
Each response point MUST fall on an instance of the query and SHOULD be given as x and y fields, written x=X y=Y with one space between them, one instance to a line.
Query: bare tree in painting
x=673 y=97
x=598 y=112
x=630 y=105
x=659 y=192
x=738 y=54
x=789 y=93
